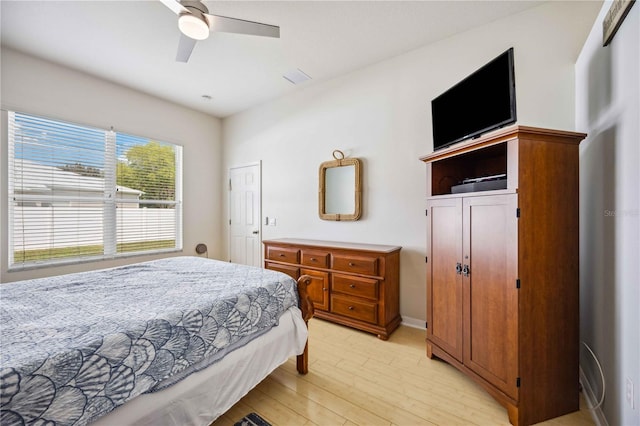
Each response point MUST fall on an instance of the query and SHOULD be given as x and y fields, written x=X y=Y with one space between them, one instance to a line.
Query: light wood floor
x=356 y=379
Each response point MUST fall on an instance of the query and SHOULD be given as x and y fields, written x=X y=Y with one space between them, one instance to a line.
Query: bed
x=172 y=341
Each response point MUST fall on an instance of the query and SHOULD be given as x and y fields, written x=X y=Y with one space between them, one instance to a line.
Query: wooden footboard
x=306 y=306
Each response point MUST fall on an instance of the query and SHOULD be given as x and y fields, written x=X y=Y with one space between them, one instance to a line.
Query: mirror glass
x=339 y=185
x=340 y=193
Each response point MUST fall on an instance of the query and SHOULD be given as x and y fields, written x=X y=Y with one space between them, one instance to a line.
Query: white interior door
x=244 y=215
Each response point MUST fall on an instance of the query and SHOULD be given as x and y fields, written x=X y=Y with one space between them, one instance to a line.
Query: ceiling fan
x=196 y=23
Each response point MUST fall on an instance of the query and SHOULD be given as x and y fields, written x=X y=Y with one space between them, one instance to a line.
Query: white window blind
x=79 y=193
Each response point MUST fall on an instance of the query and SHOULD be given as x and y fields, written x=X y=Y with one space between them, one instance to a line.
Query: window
x=79 y=193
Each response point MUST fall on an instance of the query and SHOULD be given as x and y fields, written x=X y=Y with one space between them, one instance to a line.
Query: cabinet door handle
x=350 y=308
x=352 y=286
x=324 y=289
x=466 y=270
x=458 y=268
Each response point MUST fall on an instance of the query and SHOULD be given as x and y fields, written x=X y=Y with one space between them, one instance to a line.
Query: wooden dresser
x=356 y=285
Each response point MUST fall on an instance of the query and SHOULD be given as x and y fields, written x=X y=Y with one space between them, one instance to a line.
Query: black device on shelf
x=485 y=183
x=483 y=101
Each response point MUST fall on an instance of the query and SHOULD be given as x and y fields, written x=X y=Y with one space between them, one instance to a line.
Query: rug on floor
x=252 y=419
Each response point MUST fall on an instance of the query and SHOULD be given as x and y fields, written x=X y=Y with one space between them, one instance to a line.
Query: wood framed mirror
x=340 y=191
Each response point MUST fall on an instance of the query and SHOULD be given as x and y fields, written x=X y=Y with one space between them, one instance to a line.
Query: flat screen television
x=483 y=101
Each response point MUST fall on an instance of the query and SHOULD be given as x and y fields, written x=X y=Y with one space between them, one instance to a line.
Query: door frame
x=229 y=205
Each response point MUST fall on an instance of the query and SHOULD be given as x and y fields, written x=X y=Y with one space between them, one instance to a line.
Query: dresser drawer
x=355 y=286
x=283 y=254
x=348 y=307
x=356 y=264
x=319 y=259
x=292 y=271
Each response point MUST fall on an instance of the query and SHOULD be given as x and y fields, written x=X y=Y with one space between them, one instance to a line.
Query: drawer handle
x=313 y=259
x=352 y=264
x=352 y=285
x=350 y=308
x=281 y=255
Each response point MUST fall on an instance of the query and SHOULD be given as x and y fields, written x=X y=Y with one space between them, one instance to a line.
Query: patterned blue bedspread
x=76 y=346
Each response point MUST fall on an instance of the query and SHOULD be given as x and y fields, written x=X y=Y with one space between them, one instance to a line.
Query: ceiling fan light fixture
x=195 y=27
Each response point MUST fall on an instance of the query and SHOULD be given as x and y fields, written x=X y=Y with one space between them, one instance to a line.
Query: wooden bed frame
x=306 y=306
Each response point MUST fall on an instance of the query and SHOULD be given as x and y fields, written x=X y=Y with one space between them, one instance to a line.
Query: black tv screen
x=483 y=101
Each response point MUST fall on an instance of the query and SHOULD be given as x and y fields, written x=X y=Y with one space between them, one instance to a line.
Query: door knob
x=256 y=232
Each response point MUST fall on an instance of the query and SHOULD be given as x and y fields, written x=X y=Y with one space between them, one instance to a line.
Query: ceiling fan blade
x=175 y=6
x=185 y=47
x=232 y=25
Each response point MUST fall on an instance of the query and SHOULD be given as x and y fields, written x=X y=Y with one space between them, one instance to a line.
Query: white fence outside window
x=51 y=226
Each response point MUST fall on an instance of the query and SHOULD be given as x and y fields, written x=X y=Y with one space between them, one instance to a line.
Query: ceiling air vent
x=296 y=76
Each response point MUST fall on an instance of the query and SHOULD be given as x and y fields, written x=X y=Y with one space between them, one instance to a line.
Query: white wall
x=381 y=114
x=43 y=88
x=608 y=109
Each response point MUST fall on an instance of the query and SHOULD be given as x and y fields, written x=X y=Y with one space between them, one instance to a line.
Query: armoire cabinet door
x=490 y=250
x=444 y=283
x=318 y=290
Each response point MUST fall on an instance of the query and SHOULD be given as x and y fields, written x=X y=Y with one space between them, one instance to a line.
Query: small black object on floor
x=252 y=419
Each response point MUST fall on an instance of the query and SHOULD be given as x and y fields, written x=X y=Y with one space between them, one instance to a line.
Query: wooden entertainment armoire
x=502 y=268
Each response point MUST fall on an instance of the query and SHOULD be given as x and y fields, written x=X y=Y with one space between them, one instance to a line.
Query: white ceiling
x=134 y=43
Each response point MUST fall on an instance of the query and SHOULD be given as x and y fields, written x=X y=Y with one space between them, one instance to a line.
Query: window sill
x=95 y=259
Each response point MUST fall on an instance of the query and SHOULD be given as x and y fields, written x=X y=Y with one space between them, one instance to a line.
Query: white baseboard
x=592 y=400
x=413 y=322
